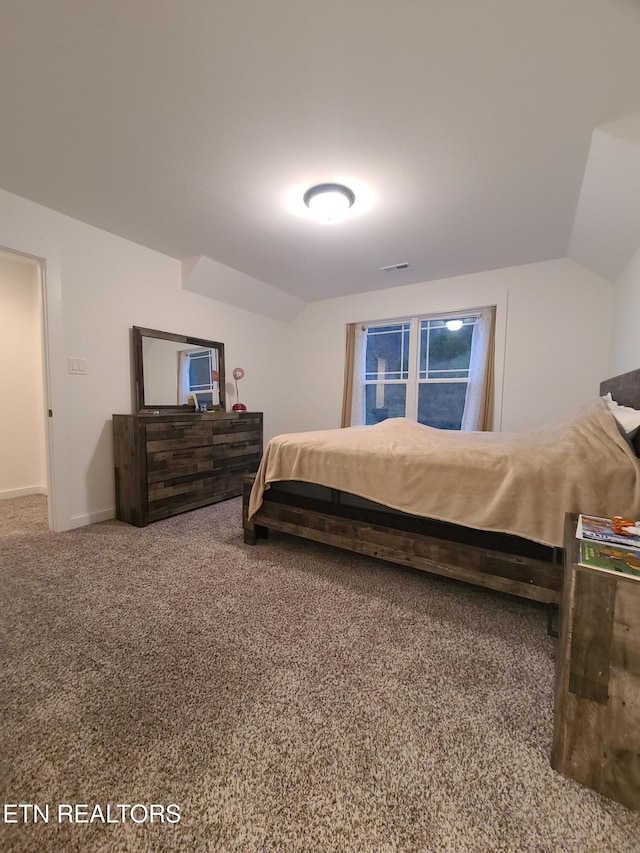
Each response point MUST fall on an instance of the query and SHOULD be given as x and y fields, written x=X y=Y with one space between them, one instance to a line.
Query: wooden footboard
x=527 y=577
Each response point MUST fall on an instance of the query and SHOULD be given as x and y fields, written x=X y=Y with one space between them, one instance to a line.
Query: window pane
x=382 y=330
x=450 y=350
x=200 y=371
x=384 y=401
x=441 y=404
x=387 y=352
x=203 y=397
x=444 y=353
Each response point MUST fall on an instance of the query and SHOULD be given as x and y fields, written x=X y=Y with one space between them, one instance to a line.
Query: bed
x=332 y=487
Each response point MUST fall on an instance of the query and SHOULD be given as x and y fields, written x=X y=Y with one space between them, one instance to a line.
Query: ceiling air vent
x=393 y=267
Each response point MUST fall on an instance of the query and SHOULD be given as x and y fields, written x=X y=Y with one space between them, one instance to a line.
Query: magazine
x=620 y=531
x=610 y=558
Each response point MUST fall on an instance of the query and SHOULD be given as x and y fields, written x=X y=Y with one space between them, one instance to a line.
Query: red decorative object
x=238 y=373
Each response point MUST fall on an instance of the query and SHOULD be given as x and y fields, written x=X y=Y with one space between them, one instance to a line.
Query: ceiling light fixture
x=329 y=202
x=453 y=325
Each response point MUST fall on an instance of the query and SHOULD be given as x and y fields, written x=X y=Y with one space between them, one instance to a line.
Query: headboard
x=625 y=390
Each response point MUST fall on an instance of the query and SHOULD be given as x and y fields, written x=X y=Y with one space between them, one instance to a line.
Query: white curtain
x=215 y=384
x=183 y=378
x=479 y=400
x=358 y=415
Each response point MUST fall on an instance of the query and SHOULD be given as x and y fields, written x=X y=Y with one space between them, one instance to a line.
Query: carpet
x=280 y=697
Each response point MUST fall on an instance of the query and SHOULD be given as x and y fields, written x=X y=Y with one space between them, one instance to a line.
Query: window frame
x=413 y=380
x=203 y=354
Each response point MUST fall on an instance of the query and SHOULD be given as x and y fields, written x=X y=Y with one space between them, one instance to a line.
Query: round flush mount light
x=454 y=325
x=329 y=202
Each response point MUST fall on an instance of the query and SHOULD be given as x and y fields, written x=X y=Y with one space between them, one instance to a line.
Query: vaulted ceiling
x=194 y=128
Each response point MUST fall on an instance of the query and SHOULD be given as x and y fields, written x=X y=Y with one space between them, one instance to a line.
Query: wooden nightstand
x=596 y=722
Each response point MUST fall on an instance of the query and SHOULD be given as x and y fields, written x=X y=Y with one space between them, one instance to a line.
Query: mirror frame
x=143 y=405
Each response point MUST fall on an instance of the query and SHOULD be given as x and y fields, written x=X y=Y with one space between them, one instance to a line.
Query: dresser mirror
x=176 y=372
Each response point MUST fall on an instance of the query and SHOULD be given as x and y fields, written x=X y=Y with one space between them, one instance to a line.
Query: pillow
x=628 y=418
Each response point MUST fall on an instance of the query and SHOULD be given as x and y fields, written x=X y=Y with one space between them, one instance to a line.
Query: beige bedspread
x=519 y=483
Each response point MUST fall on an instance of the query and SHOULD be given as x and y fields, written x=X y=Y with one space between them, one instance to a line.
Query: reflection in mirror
x=175 y=371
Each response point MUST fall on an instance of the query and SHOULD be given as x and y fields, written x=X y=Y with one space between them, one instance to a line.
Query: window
x=429 y=369
x=199 y=373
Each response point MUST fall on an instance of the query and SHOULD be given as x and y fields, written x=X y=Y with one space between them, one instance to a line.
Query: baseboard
x=92 y=517
x=22 y=493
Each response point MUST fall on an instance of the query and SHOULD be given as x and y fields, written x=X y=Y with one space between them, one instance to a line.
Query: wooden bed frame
x=496 y=561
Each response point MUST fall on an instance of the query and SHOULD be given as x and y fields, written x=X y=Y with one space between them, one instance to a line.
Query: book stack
x=609 y=544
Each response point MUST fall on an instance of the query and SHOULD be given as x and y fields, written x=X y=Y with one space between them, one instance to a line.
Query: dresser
x=170 y=463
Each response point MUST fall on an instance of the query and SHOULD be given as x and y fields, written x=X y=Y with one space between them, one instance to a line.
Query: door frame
x=47 y=257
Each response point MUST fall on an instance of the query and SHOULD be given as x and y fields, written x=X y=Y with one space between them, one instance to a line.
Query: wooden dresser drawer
x=250 y=421
x=232 y=463
x=167 y=499
x=237 y=444
x=230 y=472
x=178 y=435
x=168 y=464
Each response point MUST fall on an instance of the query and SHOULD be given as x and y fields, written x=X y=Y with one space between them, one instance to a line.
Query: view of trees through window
x=418 y=369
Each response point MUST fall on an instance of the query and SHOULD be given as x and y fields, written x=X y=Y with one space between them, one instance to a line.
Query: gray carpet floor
x=287 y=697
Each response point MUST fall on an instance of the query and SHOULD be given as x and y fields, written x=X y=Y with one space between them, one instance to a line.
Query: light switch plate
x=77 y=365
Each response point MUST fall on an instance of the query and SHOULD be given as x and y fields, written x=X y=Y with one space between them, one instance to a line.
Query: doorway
x=24 y=440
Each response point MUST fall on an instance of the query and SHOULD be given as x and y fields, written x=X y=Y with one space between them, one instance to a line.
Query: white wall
x=552 y=339
x=161 y=371
x=606 y=230
x=108 y=285
x=625 y=349
x=558 y=340
x=22 y=440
